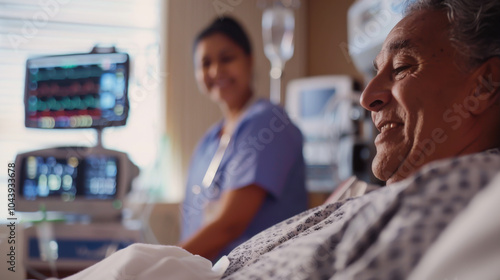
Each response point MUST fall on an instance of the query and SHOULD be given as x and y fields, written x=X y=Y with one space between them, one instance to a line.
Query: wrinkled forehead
x=419 y=31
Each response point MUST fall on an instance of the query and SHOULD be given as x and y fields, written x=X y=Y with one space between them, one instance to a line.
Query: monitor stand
x=77 y=240
x=99 y=138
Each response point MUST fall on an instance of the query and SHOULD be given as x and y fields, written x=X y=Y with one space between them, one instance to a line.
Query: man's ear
x=486 y=86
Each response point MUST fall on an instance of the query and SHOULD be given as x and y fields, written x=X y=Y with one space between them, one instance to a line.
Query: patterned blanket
x=381 y=235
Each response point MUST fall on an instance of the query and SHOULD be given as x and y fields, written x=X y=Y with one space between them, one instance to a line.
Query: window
x=33 y=28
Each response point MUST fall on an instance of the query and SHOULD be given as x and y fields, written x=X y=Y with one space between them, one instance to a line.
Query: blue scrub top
x=266 y=150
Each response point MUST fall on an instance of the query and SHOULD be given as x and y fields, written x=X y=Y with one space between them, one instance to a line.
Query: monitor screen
x=89 y=181
x=314 y=101
x=77 y=91
x=93 y=177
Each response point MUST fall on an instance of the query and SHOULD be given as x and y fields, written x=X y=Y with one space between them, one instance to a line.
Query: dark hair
x=229 y=27
x=474 y=25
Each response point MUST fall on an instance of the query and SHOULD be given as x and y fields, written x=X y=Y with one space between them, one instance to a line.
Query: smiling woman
x=247 y=172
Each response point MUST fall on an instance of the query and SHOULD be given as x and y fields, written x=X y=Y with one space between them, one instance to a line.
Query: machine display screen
x=94 y=177
x=77 y=91
x=313 y=102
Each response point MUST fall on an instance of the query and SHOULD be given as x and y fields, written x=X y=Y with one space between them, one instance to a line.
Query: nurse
x=247 y=172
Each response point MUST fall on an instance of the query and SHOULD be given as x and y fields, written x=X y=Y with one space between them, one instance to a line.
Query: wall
x=189 y=114
x=327 y=29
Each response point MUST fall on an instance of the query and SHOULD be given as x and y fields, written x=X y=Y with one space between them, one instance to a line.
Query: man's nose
x=376 y=94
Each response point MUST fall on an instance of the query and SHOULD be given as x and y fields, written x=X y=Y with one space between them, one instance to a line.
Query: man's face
x=418 y=80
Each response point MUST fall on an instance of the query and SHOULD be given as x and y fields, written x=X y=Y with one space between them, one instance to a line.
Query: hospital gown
x=381 y=235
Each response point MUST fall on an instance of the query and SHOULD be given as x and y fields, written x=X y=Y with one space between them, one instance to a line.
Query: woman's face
x=223 y=70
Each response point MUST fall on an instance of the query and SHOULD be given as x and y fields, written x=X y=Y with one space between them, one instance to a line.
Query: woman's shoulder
x=266 y=120
x=264 y=111
x=211 y=134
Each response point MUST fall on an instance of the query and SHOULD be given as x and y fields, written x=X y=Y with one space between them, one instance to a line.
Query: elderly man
x=435 y=92
x=435 y=102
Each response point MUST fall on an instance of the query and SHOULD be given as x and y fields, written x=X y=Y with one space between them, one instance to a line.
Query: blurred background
x=167 y=115
x=333 y=47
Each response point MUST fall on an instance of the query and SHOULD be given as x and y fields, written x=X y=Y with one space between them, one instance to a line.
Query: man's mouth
x=387 y=130
x=388 y=126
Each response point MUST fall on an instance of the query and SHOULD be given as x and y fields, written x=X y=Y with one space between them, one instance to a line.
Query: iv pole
x=278 y=24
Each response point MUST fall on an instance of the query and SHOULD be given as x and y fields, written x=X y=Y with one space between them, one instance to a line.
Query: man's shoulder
x=468 y=171
x=485 y=160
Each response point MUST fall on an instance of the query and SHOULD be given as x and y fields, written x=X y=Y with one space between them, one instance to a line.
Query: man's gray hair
x=474 y=25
